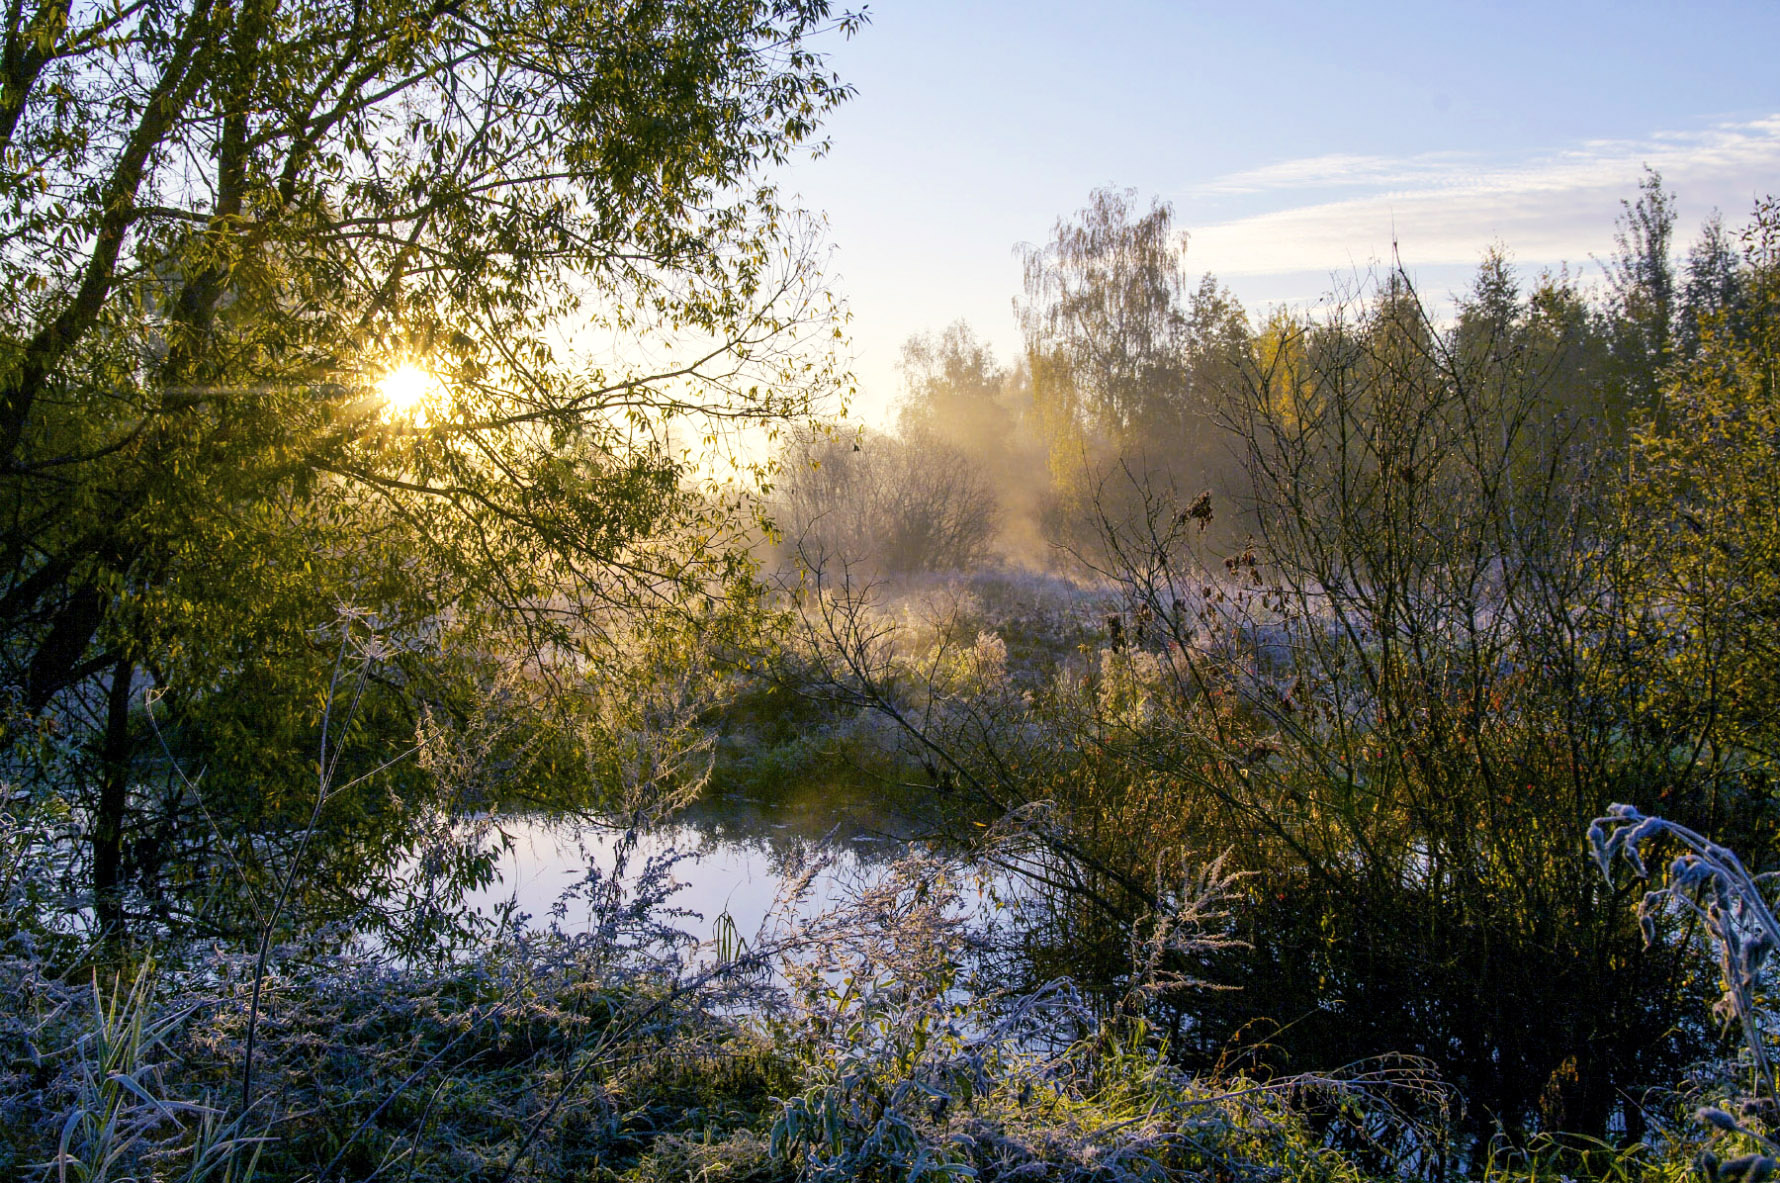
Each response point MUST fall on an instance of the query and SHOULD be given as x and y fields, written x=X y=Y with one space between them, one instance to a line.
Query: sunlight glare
x=406 y=390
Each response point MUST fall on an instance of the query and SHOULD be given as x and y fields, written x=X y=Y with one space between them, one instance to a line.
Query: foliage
x=1703 y=495
x=224 y=223
x=1126 y=362
x=1393 y=707
x=1398 y=704
x=896 y=504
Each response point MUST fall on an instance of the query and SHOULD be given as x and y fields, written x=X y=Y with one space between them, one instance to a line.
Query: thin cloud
x=1447 y=207
x=1332 y=171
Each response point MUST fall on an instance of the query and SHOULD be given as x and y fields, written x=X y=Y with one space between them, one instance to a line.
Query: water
x=739 y=846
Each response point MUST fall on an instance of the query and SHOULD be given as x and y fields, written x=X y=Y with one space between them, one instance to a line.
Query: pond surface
x=737 y=847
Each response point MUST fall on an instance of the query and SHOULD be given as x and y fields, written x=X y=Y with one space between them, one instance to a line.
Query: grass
x=866 y=1043
x=857 y=1044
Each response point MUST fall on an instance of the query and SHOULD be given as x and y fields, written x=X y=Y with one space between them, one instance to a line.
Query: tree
x=955 y=391
x=952 y=384
x=1702 y=502
x=1125 y=362
x=1713 y=289
x=1575 y=353
x=224 y=220
x=1102 y=315
x=900 y=504
x=1641 y=281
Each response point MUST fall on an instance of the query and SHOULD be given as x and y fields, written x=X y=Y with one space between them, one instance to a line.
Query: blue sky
x=1293 y=139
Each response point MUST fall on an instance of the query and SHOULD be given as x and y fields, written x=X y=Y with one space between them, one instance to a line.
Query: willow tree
x=227 y=223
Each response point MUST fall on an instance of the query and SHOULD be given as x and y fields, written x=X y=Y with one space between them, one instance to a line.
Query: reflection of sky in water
x=549 y=856
x=738 y=849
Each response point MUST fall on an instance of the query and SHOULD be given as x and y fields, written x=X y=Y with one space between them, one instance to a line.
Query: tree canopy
x=224 y=223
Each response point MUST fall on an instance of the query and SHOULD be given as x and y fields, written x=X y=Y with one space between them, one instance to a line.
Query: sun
x=407 y=390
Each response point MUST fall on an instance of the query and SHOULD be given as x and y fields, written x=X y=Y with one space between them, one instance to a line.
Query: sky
x=1295 y=141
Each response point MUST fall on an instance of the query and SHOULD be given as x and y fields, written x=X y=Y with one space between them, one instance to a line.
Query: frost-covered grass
x=1735 y=1101
x=862 y=1043
x=875 y=1041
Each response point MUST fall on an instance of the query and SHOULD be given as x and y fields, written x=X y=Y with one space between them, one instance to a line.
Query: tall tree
x=1713 y=291
x=1127 y=364
x=1641 y=280
x=225 y=221
x=1102 y=314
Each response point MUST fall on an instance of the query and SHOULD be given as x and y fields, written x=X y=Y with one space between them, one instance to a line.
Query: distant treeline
x=1131 y=369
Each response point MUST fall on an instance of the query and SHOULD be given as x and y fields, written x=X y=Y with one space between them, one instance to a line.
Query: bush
x=893 y=504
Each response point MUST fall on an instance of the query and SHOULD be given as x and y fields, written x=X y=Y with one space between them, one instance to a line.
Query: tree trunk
x=114 y=785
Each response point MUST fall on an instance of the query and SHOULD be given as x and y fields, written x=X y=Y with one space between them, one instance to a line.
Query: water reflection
x=739 y=847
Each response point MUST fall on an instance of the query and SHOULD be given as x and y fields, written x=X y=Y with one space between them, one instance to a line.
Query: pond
x=737 y=848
